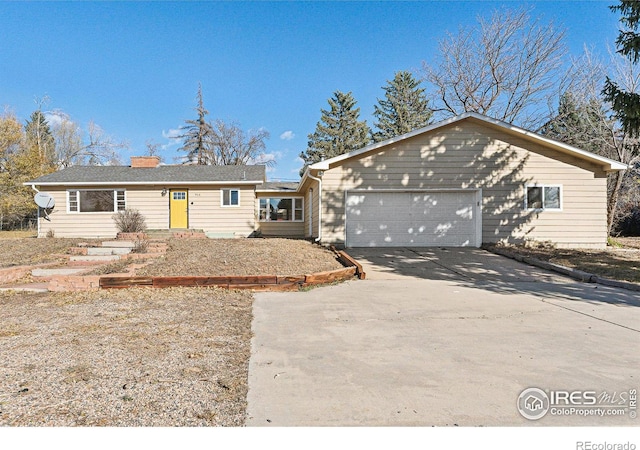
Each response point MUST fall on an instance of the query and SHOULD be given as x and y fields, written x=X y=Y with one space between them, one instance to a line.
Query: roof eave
x=140 y=183
x=607 y=164
x=325 y=165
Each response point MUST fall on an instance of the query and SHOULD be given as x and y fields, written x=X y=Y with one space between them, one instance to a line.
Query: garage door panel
x=388 y=219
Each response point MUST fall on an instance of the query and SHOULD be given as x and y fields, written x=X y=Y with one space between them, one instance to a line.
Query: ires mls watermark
x=535 y=403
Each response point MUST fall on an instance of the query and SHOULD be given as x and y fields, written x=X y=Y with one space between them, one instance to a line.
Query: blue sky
x=134 y=67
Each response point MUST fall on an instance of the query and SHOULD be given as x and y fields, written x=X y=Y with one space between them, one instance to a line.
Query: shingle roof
x=280 y=186
x=174 y=174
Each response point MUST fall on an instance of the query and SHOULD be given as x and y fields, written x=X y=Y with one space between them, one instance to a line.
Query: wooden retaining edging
x=256 y=283
x=348 y=261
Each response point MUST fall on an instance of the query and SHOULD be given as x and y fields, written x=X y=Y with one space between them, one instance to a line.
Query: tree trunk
x=612 y=202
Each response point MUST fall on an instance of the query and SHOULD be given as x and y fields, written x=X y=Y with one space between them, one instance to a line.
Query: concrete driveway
x=439 y=337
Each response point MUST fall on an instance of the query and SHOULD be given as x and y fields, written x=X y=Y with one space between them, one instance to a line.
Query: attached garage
x=417 y=218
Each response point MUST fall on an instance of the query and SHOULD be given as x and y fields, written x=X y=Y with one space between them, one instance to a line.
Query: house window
x=230 y=197
x=543 y=197
x=96 y=200
x=281 y=209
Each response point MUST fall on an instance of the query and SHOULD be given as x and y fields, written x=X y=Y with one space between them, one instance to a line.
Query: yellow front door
x=178 y=208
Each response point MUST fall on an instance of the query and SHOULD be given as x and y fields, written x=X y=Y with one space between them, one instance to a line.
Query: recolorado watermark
x=535 y=403
x=588 y=445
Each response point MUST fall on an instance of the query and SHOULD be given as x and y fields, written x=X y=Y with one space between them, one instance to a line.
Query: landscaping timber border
x=348 y=261
x=256 y=283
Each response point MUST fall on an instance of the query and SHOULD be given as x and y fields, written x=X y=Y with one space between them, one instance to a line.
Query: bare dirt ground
x=628 y=242
x=17 y=251
x=220 y=257
x=138 y=357
x=132 y=357
x=619 y=262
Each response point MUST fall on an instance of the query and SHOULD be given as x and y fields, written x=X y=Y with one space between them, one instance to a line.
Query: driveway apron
x=438 y=337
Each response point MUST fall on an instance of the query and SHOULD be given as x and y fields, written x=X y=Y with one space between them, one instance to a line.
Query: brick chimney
x=148 y=162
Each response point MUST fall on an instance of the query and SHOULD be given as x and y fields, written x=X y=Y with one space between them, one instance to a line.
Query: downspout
x=319 y=180
x=33 y=186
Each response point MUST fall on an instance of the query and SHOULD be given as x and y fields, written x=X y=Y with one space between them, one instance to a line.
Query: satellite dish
x=44 y=200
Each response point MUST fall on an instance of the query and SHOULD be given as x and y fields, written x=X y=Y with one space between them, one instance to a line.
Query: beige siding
x=150 y=202
x=282 y=229
x=314 y=196
x=468 y=155
x=63 y=224
x=205 y=212
x=311 y=192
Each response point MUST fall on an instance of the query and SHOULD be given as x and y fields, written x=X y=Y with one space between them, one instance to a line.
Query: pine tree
x=404 y=109
x=198 y=136
x=40 y=141
x=626 y=105
x=338 y=131
x=583 y=124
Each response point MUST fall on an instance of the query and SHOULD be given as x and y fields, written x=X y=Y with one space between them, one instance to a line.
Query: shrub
x=141 y=245
x=130 y=221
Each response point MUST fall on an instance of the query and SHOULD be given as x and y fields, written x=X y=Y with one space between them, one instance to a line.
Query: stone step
x=94 y=258
x=212 y=235
x=51 y=272
x=119 y=244
x=96 y=251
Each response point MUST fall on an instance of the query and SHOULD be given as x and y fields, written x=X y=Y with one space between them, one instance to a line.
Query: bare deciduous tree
x=222 y=143
x=233 y=146
x=589 y=123
x=71 y=150
x=504 y=67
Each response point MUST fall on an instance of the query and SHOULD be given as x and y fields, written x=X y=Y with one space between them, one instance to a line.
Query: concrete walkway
x=438 y=337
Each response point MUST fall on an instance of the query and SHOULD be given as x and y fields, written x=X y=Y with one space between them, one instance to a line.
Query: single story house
x=464 y=181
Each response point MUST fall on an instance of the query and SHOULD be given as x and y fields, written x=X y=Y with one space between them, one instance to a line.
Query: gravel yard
x=132 y=357
x=138 y=357
x=22 y=251
x=220 y=257
x=621 y=262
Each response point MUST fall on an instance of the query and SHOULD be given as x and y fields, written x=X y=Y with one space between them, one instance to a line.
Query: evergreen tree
x=404 y=109
x=198 y=136
x=581 y=123
x=625 y=104
x=338 y=131
x=40 y=141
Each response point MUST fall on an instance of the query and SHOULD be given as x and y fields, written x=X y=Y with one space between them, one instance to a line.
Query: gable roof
x=168 y=175
x=606 y=163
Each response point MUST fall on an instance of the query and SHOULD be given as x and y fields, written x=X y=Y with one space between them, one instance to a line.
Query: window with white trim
x=230 y=197
x=278 y=209
x=543 y=197
x=96 y=200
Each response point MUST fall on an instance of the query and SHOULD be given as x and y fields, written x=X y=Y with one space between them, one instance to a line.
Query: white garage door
x=419 y=219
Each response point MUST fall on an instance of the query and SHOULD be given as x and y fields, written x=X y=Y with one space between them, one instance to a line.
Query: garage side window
x=543 y=197
x=96 y=200
x=281 y=209
x=230 y=197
